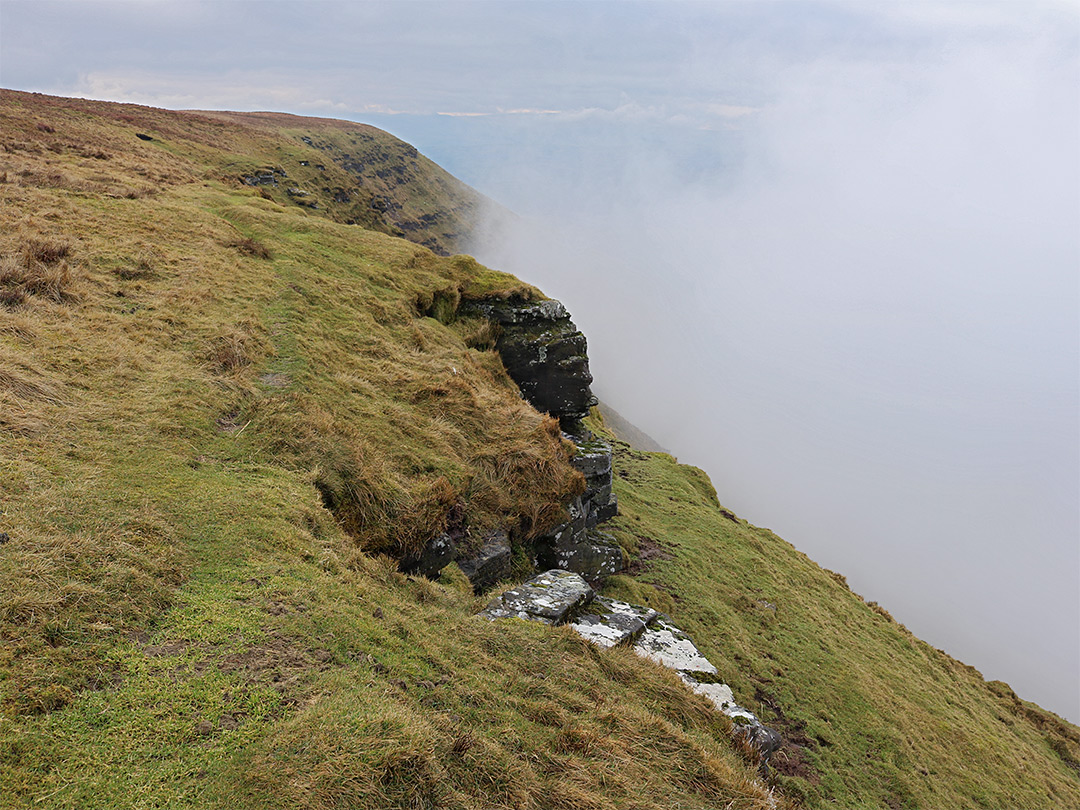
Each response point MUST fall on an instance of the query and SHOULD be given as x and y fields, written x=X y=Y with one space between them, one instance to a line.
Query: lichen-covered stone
x=590 y=553
x=718 y=693
x=550 y=597
x=668 y=645
x=610 y=622
x=593 y=459
x=490 y=564
x=593 y=456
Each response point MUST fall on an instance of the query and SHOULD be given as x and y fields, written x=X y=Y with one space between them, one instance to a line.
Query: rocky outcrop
x=577 y=545
x=544 y=353
x=490 y=563
x=561 y=597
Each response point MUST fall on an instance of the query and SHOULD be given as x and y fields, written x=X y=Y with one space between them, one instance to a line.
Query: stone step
x=550 y=597
x=609 y=622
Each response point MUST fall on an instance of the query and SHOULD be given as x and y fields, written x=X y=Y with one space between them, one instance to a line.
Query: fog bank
x=861 y=320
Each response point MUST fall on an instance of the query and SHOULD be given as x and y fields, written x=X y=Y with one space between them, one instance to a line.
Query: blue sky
x=827 y=251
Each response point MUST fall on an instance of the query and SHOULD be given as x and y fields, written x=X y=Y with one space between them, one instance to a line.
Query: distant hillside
x=622 y=429
x=232 y=400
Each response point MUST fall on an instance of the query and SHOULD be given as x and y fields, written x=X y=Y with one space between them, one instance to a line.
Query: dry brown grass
x=251 y=247
x=41 y=269
x=235 y=348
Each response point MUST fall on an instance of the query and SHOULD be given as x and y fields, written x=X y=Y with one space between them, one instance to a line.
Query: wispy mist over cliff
x=860 y=317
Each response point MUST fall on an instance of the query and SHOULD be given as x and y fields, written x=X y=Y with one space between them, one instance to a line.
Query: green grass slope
x=872 y=716
x=224 y=410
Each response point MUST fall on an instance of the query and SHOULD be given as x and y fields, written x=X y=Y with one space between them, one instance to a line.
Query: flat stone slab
x=666 y=644
x=549 y=597
x=609 y=622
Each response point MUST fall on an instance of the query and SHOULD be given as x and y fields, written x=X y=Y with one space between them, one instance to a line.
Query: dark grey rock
x=599 y=512
x=490 y=564
x=550 y=597
x=593 y=457
x=763 y=739
x=4 y=538
x=436 y=555
x=543 y=352
x=610 y=622
x=590 y=553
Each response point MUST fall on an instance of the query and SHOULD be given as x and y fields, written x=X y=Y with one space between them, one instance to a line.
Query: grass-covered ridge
x=223 y=411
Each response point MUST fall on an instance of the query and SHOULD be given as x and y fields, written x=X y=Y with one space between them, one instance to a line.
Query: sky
x=827 y=251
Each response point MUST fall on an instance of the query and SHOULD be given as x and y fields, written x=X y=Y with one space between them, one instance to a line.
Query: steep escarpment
x=257 y=455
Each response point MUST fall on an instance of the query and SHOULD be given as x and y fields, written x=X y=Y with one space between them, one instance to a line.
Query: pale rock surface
x=610 y=622
x=549 y=597
x=666 y=644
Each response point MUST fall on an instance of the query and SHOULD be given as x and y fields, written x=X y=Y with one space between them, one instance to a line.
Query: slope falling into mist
x=866 y=331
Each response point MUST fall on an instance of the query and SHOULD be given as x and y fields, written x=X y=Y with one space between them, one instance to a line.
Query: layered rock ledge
x=545 y=354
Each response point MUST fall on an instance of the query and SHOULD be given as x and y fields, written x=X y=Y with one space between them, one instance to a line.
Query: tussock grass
x=42 y=270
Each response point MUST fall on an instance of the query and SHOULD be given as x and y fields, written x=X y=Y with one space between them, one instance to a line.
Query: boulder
x=490 y=563
x=610 y=622
x=587 y=552
x=435 y=556
x=550 y=597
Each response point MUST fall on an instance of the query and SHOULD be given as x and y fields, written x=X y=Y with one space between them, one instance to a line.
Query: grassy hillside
x=872 y=716
x=224 y=411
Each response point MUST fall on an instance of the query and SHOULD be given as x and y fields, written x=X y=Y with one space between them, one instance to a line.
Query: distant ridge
x=628 y=432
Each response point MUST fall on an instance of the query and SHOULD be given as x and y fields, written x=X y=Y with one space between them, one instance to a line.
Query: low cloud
x=865 y=329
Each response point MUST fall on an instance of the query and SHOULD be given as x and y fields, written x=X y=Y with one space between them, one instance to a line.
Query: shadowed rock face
x=544 y=353
x=588 y=552
x=490 y=564
x=434 y=557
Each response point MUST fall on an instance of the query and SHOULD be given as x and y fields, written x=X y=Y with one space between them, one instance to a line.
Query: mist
x=858 y=313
